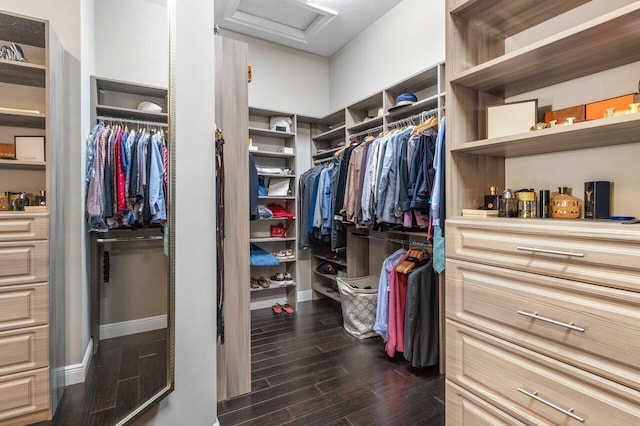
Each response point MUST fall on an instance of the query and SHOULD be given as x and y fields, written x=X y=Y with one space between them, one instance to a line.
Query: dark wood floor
x=125 y=371
x=307 y=370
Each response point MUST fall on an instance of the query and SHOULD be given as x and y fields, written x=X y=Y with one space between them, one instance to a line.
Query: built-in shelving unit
x=524 y=296
x=267 y=150
x=120 y=100
x=369 y=116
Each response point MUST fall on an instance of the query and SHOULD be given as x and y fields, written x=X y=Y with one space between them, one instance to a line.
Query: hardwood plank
x=127 y=397
x=152 y=369
x=102 y=381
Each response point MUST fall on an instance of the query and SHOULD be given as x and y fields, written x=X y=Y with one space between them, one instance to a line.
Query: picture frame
x=511 y=118
x=30 y=148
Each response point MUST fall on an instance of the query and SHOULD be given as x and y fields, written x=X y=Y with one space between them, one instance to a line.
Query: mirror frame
x=169 y=229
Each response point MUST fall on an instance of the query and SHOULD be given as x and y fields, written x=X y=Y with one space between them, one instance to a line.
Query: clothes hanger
x=414 y=256
x=427 y=124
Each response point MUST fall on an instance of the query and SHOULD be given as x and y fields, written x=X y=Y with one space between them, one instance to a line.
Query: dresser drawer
x=606 y=255
x=594 y=327
x=24 y=349
x=533 y=388
x=466 y=409
x=23 y=394
x=23 y=226
x=23 y=262
x=24 y=306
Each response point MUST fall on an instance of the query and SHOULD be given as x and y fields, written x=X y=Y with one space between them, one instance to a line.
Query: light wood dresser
x=543 y=323
x=24 y=318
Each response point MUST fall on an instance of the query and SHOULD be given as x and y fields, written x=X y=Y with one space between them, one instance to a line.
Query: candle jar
x=565 y=206
x=527 y=205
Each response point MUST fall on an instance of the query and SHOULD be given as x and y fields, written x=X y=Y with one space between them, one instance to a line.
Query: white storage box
x=359 y=305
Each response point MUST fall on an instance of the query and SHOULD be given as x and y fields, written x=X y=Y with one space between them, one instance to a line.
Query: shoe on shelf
x=277 y=308
x=277 y=278
x=287 y=308
x=326 y=268
x=280 y=254
x=290 y=254
x=254 y=283
x=263 y=282
x=288 y=279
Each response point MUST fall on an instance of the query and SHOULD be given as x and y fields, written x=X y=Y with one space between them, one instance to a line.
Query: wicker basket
x=565 y=206
x=359 y=305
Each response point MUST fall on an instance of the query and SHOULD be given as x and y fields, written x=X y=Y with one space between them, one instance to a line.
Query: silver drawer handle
x=535 y=315
x=547 y=251
x=567 y=411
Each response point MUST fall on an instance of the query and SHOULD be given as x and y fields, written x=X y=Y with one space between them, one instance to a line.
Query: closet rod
x=410 y=243
x=423 y=115
x=324 y=160
x=368 y=131
x=125 y=239
x=125 y=120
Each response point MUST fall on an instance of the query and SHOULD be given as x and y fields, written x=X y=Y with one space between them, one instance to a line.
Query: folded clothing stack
x=279 y=211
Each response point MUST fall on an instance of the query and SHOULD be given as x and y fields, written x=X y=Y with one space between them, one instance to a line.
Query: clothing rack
x=324 y=160
x=368 y=131
x=408 y=120
x=127 y=239
x=126 y=120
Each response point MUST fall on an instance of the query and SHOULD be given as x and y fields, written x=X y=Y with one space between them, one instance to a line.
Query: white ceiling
x=317 y=26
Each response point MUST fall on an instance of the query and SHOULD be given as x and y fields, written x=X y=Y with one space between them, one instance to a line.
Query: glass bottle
x=508 y=205
x=492 y=201
x=565 y=206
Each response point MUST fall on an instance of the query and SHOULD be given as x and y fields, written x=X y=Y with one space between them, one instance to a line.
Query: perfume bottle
x=508 y=205
x=565 y=206
x=492 y=201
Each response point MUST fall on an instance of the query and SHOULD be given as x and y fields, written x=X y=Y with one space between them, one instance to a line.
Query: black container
x=543 y=203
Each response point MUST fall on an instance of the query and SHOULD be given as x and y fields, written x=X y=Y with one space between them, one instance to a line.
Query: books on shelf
x=479 y=213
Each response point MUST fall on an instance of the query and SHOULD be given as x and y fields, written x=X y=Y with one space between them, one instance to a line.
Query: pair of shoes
x=326 y=268
x=278 y=231
x=278 y=308
x=281 y=278
x=254 y=283
x=334 y=256
x=263 y=282
x=285 y=254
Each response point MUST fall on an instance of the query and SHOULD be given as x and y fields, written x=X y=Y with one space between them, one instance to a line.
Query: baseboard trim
x=125 y=328
x=77 y=373
x=304 y=296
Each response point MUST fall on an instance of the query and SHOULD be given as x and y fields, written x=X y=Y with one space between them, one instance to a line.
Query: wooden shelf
x=22 y=30
x=22 y=73
x=27 y=165
x=367 y=124
x=422 y=105
x=335 y=295
x=130 y=88
x=271 y=287
x=335 y=133
x=22 y=119
x=326 y=154
x=328 y=276
x=271 y=239
x=409 y=233
x=324 y=259
x=587 y=134
x=582 y=50
x=273 y=219
x=276 y=175
x=272 y=154
x=256 y=131
x=131 y=114
x=277 y=197
x=508 y=17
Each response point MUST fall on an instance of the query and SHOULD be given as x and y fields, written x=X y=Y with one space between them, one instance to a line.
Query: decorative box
x=561 y=115
x=511 y=119
x=29 y=148
x=599 y=109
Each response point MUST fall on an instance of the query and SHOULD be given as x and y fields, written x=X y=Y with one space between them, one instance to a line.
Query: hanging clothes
x=381 y=325
x=126 y=178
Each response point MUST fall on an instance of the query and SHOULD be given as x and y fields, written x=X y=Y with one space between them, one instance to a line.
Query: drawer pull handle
x=535 y=315
x=547 y=251
x=568 y=411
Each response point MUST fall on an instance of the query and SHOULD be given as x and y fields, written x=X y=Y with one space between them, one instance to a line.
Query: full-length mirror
x=128 y=211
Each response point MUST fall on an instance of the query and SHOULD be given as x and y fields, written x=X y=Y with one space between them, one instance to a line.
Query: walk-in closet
x=319 y=212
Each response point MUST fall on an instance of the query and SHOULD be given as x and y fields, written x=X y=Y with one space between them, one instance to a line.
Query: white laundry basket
x=359 y=305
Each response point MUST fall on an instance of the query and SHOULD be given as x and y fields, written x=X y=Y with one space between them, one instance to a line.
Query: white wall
x=286 y=79
x=131 y=41
x=194 y=400
x=408 y=39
